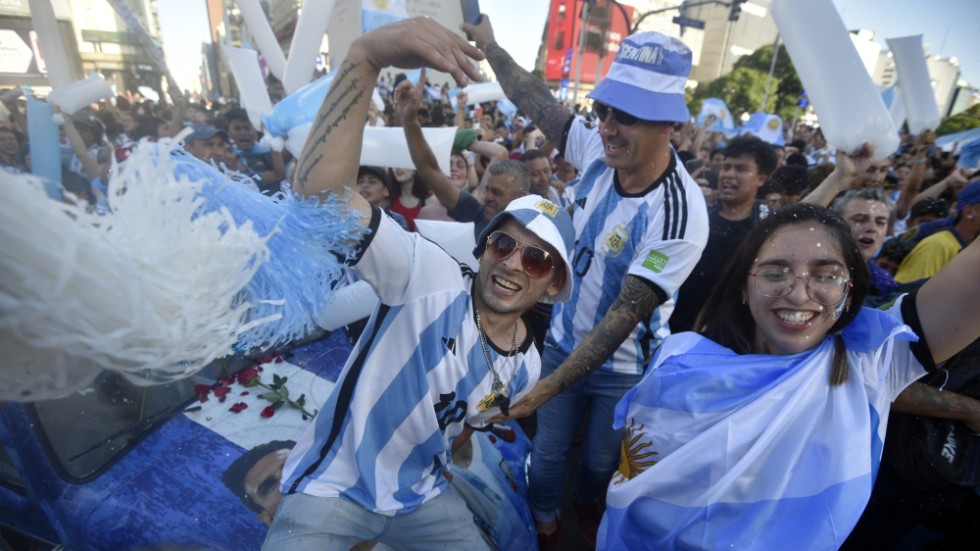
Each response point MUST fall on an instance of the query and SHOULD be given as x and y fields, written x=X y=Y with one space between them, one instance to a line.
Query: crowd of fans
x=910 y=213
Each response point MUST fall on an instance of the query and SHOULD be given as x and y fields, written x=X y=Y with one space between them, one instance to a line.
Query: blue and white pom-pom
x=187 y=267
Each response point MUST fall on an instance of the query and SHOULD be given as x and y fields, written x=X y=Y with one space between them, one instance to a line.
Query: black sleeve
x=910 y=315
x=661 y=295
x=369 y=234
x=564 y=135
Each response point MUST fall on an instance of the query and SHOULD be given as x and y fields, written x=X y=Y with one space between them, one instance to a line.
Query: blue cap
x=647 y=78
x=969 y=196
x=546 y=220
x=204 y=131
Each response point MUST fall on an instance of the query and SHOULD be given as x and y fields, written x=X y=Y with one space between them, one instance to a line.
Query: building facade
x=96 y=39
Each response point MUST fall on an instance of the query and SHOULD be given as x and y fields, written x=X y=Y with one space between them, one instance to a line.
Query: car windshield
x=88 y=430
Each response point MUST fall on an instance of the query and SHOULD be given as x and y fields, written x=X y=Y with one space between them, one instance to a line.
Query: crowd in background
x=910 y=213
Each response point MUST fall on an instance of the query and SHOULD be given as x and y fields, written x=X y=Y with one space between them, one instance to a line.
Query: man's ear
x=557 y=283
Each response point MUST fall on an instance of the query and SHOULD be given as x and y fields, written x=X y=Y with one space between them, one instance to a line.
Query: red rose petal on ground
x=244 y=393
x=246 y=376
x=269 y=411
x=238 y=407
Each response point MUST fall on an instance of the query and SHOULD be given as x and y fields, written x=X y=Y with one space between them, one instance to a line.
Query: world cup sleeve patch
x=655 y=261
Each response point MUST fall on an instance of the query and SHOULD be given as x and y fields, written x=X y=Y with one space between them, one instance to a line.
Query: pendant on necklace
x=497 y=397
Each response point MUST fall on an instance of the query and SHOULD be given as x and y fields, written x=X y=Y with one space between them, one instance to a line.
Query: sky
x=948 y=28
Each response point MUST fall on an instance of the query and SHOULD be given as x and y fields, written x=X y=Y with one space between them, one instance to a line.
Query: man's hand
x=419 y=42
x=534 y=139
x=408 y=98
x=545 y=390
x=850 y=167
x=482 y=34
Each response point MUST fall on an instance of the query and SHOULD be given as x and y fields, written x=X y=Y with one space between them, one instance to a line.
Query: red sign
x=606 y=26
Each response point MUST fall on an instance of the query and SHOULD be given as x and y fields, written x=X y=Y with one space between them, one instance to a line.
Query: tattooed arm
x=332 y=153
x=636 y=300
x=527 y=91
x=922 y=399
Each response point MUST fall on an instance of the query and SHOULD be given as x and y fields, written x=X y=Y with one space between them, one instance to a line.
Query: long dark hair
x=419 y=189
x=727 y=321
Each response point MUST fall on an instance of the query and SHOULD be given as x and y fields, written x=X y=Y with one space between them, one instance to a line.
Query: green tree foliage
x=744 y=87
x=742 y=90
x=786 y=86
x=958 y=123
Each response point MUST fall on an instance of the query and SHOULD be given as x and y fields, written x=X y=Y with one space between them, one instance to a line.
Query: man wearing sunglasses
x=640 y=226
x=445 y=349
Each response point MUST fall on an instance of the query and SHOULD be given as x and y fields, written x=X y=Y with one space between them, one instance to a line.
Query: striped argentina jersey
x=415 y=376
x=657 y=235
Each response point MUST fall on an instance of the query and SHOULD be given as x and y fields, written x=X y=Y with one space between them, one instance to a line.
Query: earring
x=745 y=299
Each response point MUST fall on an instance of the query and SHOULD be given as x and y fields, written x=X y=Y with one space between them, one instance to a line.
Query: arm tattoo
x=344 y=93
x=925 y=400
x=528 y=92
x=636 y=300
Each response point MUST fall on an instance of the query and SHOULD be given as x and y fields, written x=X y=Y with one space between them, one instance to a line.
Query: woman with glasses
x=764 y=430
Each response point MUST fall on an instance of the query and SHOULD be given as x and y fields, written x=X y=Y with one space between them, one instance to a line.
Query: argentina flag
x=754 y=451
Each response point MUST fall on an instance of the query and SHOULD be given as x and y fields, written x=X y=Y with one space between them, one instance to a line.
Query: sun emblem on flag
x=633 y=460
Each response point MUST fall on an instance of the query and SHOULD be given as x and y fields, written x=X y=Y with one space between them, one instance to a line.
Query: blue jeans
x=558 y=420
x=309 y=523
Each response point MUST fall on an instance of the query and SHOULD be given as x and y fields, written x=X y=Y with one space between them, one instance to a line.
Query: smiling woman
x=787 y=355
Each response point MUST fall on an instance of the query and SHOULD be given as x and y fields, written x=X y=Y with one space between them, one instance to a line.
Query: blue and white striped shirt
x=657 y=235
x=415 y=376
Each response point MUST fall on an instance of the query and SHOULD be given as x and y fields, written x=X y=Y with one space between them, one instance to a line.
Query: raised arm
x=949 y=323
x=90 y=165
x=332 y=153
x=461 y=107
x=910 y=187
x=177 y=113
x=527 y=91
x=491 y=150
x=843 y=177
x=955 y=181
x=702 y=131
x=407 y=100
x=636 y=300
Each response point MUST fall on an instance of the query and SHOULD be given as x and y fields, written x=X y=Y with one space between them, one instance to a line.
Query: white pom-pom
x=151 y=290
x=275 y=143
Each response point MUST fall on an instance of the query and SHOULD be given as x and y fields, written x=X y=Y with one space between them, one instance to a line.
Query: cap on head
x=969 y=196
x=85 y=119
x=647 y=78
x=549 y=222
x=377 y=171
x=204 y=131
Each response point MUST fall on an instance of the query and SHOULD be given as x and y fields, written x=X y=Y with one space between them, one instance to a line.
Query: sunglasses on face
x=535 y=261
x=602 y=111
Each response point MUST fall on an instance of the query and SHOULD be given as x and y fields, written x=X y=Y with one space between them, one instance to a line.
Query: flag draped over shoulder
x=729 y=451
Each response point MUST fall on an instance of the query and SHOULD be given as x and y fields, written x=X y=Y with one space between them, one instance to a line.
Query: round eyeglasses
x=827 y=287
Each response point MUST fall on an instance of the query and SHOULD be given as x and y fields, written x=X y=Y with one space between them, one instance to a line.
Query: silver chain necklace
x=499 y=397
